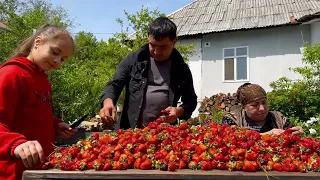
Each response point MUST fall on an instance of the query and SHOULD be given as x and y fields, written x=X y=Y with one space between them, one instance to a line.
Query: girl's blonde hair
x=49 y=31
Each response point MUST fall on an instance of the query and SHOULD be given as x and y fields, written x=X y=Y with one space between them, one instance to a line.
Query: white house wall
x=271 y=53
x=315 y=33
x=194 y=63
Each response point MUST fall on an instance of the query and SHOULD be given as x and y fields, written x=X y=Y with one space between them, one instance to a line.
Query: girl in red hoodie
x=27 y=126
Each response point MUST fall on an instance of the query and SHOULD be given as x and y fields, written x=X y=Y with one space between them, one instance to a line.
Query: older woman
x=255 y=113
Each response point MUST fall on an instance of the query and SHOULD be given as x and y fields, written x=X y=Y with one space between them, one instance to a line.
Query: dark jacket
x=132 y=72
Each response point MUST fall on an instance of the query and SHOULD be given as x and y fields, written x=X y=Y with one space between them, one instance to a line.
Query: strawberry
x=277 y=167
x=239 y=165
x=302 y=167
x=107 y=166
x=221 y=165
x=192 y=165
x=66 y=165
x=287 y=131
x=214 y=164
x=200 y=148
x=117 y=165
x=97 y=165
x=248 y=167
x=205 y=165
x=159 y=121
x=293 y=168
x=196 y=158
x=143 y=148
x=219 y=157
x=182 y=164
x=159 y=155
x=153 y=125
x=146 y=165
x=162 y=165
x=184 y=126
x=172 y=166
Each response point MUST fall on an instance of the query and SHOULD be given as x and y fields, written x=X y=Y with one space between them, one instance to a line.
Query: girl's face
x=50 y=55
x=257 y=110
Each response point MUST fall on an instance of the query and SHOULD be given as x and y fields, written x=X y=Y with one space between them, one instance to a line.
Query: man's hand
x=173 y=114
x=108 y=112
x=65 y=131
x=31 y=153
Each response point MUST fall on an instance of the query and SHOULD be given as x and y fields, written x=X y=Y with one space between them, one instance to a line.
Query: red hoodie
x=25 y=113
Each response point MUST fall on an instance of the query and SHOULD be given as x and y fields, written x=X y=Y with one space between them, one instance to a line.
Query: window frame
x=235 y=64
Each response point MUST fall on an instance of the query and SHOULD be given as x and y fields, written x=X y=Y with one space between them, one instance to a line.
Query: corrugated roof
x=207 y=16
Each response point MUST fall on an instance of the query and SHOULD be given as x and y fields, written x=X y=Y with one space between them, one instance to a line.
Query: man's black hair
x=162 y=27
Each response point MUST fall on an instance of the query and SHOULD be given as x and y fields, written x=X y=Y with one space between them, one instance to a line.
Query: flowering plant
x=311 y=127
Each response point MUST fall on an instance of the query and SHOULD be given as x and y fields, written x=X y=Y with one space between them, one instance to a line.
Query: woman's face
x=257 y=110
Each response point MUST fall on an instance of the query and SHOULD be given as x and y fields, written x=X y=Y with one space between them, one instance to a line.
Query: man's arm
x=114 y=87
x=188 y=96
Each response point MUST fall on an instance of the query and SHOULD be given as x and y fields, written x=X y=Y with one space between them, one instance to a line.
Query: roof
x=4 y=27
x=208 y=16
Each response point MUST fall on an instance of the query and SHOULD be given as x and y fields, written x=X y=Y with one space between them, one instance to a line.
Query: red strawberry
x=192 y=165
x=146 y=165
x=158 y=155
x=277 y=167
x=205 y=165
x=248 y=167
x=117 y=165
x=159 y=121
x=287 y=131
x=214 y=164
x=182 y=164
x=302 y=167
x=153 y=125
x=293 y=167
x=184 y=126
x=221 y=166
x=172 y=166
x=137 y=163
x=107 y=166
x=162 y=165
x=143 y=148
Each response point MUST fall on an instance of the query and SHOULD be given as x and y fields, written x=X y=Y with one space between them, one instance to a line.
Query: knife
x=77 y=123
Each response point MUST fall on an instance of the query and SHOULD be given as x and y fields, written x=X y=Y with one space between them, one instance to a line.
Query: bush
x=299 y=99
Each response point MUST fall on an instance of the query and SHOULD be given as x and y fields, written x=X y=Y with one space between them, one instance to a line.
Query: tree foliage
x=78 y=85
x=299 y=99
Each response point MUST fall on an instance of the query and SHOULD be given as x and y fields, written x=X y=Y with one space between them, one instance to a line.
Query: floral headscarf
x=250 y=92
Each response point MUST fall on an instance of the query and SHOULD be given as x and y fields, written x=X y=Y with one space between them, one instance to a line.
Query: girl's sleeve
x=10 y=87
x=56 y=122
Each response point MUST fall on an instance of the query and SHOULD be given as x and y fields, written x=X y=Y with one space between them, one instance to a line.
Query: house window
x=235 y=64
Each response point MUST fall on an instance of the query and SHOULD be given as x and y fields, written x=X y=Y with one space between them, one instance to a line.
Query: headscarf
x=248 y=93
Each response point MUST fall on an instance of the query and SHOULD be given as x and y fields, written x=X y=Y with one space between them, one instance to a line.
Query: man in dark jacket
x=155 y=77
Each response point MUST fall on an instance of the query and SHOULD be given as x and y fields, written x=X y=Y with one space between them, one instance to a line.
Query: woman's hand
x=297 y=130
x=274 y=131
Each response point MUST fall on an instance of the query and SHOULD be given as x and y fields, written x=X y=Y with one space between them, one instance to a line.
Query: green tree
x=299 y=99
x=79 y=84
x=24 y=16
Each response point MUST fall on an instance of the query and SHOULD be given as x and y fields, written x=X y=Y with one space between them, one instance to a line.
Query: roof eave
x=237 y=30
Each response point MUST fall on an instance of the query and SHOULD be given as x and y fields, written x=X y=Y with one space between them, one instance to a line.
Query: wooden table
x=157 y=174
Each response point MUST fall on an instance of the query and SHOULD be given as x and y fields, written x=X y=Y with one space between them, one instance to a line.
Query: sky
x=99 y=16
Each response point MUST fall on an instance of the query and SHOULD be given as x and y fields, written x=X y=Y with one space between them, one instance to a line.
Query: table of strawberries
x=184 y=151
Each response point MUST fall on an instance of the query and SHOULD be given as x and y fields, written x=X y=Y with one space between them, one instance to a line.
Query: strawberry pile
x=166 y=147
